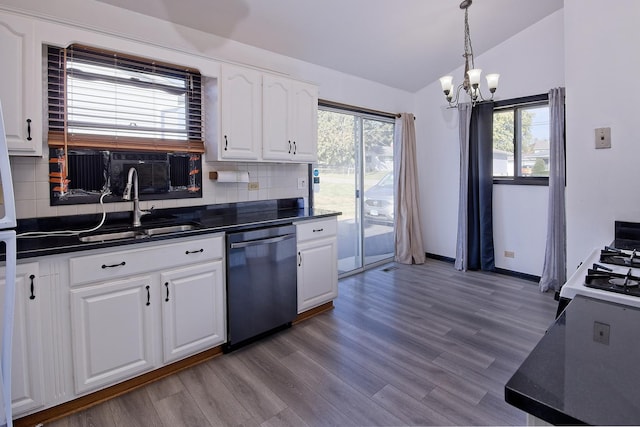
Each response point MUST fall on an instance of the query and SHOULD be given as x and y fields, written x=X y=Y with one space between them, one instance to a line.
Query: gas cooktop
x=608 y=274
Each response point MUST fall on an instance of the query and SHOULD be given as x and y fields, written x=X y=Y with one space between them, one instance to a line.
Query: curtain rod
x=325 y=103
x=400 y=115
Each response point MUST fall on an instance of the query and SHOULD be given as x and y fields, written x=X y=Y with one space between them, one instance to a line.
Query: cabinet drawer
x=118 y=263
x=309 y=230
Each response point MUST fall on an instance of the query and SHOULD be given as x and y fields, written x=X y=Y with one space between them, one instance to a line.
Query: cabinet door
x=193 y=309
x=240 y=112
x=112 y=331
x=277 y=142
x=290 y=120
x=27 y=385
x=20 y=86
x=317 y=273
x=305 y=122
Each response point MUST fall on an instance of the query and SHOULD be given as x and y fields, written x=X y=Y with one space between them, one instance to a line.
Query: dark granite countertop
x=579 y=375
x=206 y=219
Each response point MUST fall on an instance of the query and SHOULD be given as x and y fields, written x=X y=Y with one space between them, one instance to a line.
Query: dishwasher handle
x=261 y=241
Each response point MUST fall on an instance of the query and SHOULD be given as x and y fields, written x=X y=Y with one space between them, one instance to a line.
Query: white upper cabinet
x=20 y=86
x=240 y=112
x=263 y=117
x=276 y=124
x=305 y=122
x=289 y=120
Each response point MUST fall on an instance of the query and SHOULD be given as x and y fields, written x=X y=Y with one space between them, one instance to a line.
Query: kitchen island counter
x=586 y=368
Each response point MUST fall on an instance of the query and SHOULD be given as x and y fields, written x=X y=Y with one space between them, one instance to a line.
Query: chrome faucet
x=132 y=179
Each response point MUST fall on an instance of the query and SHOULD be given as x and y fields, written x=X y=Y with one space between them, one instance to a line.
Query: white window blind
x=109 y=100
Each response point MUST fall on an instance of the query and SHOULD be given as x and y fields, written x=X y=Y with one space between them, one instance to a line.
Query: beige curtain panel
x=409 y=248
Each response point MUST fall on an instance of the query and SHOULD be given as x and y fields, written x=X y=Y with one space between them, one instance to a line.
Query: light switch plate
x=603 y=138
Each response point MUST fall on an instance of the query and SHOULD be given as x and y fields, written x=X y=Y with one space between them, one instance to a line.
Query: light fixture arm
x=475 y=95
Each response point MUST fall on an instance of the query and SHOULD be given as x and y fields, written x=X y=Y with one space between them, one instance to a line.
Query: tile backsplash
x=275 y=181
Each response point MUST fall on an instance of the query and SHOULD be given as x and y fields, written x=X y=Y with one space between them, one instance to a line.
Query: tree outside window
x=521 y=143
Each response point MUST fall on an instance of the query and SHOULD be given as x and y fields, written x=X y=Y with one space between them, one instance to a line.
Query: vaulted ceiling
x=405 y=44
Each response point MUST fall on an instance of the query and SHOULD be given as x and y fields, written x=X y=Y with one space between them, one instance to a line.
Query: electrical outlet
x=302 y=183
x=254 y=186
x=509 y=254
x=603 y=138
x=601 y=332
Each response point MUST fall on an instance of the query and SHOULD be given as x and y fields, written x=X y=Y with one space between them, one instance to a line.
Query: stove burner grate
x=613 y=282
x=616 y=257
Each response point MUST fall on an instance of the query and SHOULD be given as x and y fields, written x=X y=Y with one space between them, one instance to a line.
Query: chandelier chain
x=468 y=49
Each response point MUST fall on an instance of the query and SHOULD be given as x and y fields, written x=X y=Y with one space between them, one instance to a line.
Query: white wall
x=601 y=45
x=530 y=63
x=92 y=22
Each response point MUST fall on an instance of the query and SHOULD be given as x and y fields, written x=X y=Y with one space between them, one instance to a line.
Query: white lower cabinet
x=147 y=307
x=317 y=263
x=27 y=384
x=112 y=331
x=191 y=318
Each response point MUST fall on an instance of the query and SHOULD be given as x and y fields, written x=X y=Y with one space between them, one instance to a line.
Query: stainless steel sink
x=168 y=229
x=113 y=236
x=136 y=234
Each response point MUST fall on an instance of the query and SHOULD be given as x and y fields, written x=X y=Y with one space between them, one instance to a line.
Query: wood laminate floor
x=405 y=345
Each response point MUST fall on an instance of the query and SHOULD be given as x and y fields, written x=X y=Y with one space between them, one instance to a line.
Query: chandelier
x=471 y=83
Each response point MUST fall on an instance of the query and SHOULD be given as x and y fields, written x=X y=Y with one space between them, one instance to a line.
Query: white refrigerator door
x=7 y=201
x=8 y=235
x=9 y=239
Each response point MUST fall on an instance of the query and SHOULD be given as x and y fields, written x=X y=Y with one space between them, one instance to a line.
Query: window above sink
x=109 y=111
x=110 y=100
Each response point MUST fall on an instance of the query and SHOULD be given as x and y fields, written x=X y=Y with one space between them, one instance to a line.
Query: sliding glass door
x=355 y=160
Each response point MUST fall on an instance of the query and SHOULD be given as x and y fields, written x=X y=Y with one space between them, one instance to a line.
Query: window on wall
x=108 y=100
x=521 y=141
x=108 y=112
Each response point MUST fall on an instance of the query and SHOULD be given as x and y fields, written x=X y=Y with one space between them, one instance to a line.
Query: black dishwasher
x=261 y=283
